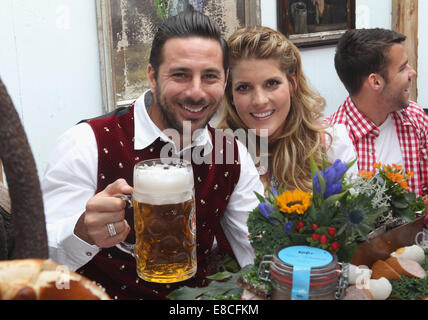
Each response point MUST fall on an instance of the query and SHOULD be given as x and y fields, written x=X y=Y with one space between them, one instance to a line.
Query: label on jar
x=303 y=259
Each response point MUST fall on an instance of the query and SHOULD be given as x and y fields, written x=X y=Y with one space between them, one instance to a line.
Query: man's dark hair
x=361 y=52
x=186 y=24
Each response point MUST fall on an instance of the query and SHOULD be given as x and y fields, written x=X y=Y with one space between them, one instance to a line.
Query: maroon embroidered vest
x=114 y=269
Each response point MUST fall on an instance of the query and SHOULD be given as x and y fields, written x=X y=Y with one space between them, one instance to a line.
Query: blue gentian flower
x=341 y=167
x=332 y=177
x=275 y=193
x=288 y=227
x=266 y=209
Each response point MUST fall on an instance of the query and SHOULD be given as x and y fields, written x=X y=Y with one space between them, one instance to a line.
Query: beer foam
x=152 y=183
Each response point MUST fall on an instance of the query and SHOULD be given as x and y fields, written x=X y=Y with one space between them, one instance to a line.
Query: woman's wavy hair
x=302 y=132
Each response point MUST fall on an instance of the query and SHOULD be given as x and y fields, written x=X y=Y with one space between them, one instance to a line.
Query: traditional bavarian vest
x=214 y=183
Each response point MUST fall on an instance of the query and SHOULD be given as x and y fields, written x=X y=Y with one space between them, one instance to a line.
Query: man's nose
x=195 y=89
x=412 y=72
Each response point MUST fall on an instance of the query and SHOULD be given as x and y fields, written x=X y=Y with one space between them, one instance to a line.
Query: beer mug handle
x=126 y=246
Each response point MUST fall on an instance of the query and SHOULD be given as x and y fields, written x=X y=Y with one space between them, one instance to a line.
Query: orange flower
x=404 y=185
x=396 y=177
x=365 y=174
x=399 y=168
x=377 y=165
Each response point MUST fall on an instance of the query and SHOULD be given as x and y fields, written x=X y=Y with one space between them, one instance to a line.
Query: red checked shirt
x=412 y=131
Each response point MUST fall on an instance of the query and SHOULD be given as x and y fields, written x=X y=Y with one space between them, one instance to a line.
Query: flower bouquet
x=337 y=215
x=338 y=212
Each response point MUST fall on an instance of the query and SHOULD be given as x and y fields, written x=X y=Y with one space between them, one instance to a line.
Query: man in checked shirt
x=378 y=122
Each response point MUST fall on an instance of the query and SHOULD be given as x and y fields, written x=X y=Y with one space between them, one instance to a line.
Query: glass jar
x=304 y=273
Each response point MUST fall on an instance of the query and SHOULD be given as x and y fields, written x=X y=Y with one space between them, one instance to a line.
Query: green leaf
x=410 y=196
x=186 y=293
x=362 y=234
x=351 y=163
x=278 y=216
x=220 y=275
x=335 y=197
x=259 y=197
x=322 y=183
x=314 y=167
x=407 y=214
x=342 y=229
x=214 y=289
x=324 y=163
x=400 y=204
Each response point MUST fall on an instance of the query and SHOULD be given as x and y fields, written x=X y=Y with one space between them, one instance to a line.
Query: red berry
x=314 y=227
x=323 y=239
x=332 y=231
x=315 y=237
x=299 y=225
x=334 y=245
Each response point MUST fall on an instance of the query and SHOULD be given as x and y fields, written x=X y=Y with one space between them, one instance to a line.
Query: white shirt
x=341 y=147
x=387 y=146
x=70 y=180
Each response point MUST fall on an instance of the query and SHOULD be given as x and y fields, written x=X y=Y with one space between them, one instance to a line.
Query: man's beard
x=170 y=118
x=396 y=99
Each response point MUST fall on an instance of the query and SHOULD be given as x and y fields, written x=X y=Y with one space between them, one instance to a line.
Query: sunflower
x=294 y=201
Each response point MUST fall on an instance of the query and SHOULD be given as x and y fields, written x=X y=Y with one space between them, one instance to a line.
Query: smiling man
x=94 y=160
x=378 y=120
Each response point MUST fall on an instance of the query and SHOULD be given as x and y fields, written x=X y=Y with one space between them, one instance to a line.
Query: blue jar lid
x=305 y=256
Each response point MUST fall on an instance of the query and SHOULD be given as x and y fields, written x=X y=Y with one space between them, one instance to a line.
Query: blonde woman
x=268 y=90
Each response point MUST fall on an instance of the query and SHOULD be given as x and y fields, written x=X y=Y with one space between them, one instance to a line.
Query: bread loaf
x=382 y=269
x=39 y=279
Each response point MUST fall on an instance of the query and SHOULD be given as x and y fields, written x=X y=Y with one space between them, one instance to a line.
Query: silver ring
x=111 y=229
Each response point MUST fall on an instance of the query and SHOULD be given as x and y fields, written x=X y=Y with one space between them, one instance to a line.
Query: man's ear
x=375 y=81
x=151 y=74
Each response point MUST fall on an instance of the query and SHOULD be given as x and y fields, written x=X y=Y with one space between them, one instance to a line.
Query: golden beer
x=164 y=221
x=165 y=248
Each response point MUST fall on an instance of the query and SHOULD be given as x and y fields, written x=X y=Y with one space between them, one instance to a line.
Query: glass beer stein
x=164 y=221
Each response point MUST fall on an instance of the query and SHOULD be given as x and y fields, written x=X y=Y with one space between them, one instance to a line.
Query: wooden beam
x=405 y=21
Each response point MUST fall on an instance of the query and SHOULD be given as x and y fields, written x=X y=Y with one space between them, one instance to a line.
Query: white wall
x=50 y=65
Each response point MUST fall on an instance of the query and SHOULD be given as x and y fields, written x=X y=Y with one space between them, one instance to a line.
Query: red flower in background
x=299 y=225
x=323 y=239
x=334 y=245
x=332 y=231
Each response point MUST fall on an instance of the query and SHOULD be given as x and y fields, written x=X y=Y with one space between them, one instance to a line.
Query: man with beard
x=378 y=123
x=94 y=160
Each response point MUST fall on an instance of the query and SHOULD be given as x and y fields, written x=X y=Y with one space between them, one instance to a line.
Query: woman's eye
x=242 y=87
x=272 y=82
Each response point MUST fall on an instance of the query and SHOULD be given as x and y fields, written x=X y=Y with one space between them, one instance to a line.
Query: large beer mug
x=164 y=220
